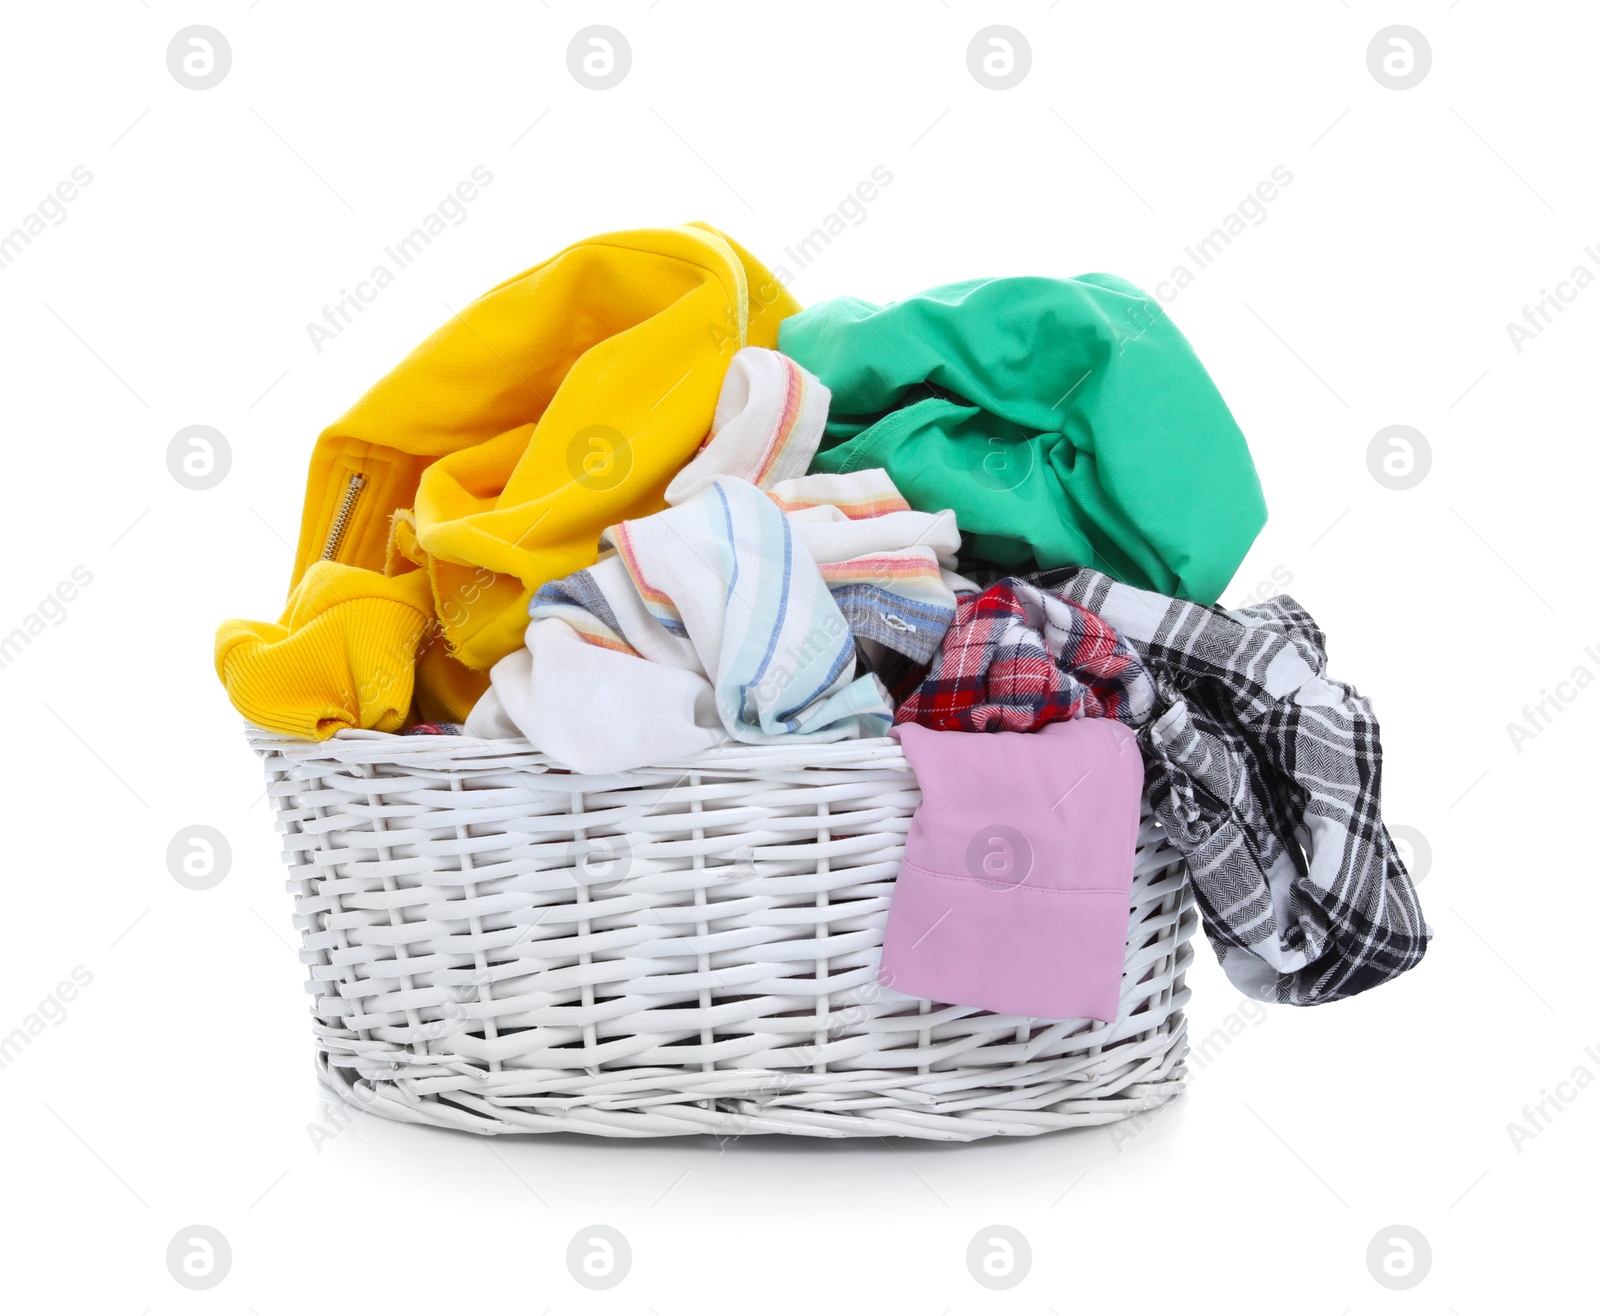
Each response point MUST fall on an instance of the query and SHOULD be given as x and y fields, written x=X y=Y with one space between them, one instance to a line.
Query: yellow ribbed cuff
x=343 y=656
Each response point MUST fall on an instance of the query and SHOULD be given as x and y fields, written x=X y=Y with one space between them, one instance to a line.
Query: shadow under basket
x=498 y=945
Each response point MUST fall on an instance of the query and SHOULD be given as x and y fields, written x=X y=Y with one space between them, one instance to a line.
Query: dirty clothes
x=486 y=464
x=1013 y=894
x=1064 y=421
x=1266 y=775
x=1017 y=658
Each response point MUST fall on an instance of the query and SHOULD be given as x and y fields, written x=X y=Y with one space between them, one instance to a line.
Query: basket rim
x=356 y=746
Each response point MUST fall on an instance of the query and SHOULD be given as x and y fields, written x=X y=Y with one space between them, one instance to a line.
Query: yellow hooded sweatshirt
x=486 y=464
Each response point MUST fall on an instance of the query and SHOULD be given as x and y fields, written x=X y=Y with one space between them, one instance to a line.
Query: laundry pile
x=635 y=502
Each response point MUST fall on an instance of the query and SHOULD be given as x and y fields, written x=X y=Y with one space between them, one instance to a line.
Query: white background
x=178 y=1089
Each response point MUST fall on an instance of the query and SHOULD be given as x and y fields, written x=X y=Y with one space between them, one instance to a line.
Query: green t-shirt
x=1065 y=421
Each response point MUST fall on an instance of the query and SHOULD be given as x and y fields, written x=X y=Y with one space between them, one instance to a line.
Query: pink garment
x=1013 y=894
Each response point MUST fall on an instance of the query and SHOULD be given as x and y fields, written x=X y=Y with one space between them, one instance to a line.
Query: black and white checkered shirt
x=1266 y=775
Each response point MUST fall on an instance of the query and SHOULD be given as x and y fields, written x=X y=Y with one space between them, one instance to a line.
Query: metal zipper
x=341 y=520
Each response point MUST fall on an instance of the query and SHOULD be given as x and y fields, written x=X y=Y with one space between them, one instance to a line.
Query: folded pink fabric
x=1013 y=894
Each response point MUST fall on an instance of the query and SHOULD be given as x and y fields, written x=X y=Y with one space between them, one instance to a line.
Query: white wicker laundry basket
x=498 y=945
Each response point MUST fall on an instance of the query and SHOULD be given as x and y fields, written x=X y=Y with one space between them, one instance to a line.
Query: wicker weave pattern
x=502 y=947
